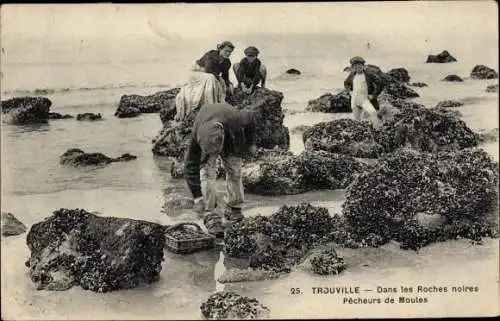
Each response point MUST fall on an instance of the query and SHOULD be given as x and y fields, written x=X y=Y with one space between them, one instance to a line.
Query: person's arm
x=256 y=70
x=240 y=74
x=348 y=82
x=192 y=168
x=378 y=84
x=212 y=63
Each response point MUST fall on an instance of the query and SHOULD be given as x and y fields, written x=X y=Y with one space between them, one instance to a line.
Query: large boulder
x=77 y=157
x=483 y=72
x=290 y=174
x=271 y=132
x=343 y=136
x=75 y=247
x=462 y=186
x=425 y=130
x=26 y=110
x=11 y=225
x=232 y=306
x=399 y=74
x=400 y=90
x=134 y=105
x=329 y=103
x=443 y=57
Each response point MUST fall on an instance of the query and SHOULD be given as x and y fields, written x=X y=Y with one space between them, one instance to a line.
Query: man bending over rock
x=219 y=130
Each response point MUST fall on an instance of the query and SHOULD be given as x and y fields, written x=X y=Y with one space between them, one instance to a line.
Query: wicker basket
x=187 y=240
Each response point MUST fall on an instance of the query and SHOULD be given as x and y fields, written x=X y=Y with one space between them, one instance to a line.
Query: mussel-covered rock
x=11 y=225
x=75 y=247
x=492 y=88
x=449 y=104
x=293 y=71
x=399 y=74
x=232 y=306
x=59 y=116
x=26 y=110
x=443 y=57
x=418 y=84
x=327 y=262
x=329 y=103
x=278 y=242
x=89 y=116
x=310 y=170
x=483 y=72
x=461 y=186
x=77 y=157
x=134 y=105
x=175 y=201
x=266 y=103
x=425 y=130
x=343 y=136
x=400 y=90
x=453 y=78
x=488 y=136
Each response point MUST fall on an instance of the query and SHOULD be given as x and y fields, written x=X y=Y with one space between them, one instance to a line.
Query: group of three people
x=219 y=129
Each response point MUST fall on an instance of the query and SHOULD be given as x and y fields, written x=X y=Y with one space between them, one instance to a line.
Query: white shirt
x=359 y=90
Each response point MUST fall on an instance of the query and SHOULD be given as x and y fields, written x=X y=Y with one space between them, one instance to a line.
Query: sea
x=90 y=74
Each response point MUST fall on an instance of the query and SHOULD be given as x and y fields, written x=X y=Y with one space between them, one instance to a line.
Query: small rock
x=443 y=57
x=492 y=88
x=11 y=225
x=59 y=116
x=449 y=103
x=418 y=84
x=483 y=72
x=232 y=306
x=88 y=116
x=77 y=157
x=399 y=74
x=293 y=72
x=452 y=78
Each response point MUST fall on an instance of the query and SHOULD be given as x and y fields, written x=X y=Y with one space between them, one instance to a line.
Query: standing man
x=219 y=129
x=364 y=87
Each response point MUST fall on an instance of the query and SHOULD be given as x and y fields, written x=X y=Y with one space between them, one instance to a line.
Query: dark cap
x=357 y=60
x=251 y=51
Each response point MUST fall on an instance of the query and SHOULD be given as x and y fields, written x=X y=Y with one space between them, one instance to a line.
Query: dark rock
x=101 y=254
x=271 y=132
x=232 y=306
x=400 y=90
x=26 y=110
x=293 y=72
x=59 y=116
x=278 y=242
x=310 y=170
x=425 y=130
x=343 y=136
x=77 y=157
x=328 y=103
x=449 y=103
x=11 y=225
x=453 y=78
x=443 y=57
x=134 y=105
x=492 y=88
x=462 y=186
x=399 y=74
x=483 y=72
x=327 y=262
x=488 y=136
x=418 y=84
x=89 y=116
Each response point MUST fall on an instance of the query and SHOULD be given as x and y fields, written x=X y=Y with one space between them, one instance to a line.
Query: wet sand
x=187 y=280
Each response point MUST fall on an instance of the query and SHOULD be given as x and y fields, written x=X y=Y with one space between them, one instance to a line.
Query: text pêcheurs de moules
x=399 y=294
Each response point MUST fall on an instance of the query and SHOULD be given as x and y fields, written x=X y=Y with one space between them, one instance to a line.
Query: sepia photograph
x=215 y=161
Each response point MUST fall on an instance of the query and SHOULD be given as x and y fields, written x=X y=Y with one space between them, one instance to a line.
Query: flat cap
x=251 y=51
x=357 y=60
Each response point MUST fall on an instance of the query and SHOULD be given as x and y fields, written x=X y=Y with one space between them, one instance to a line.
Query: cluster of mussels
x=232 y=306
x=461 y=186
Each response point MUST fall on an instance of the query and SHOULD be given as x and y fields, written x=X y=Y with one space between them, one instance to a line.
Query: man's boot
x=233 y=214
x=213 y=223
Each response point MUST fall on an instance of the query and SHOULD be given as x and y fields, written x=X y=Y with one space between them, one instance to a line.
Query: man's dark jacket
x=239 y=135
x=375 y=86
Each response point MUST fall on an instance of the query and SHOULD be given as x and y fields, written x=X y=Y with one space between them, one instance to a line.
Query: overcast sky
x=212 y=19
